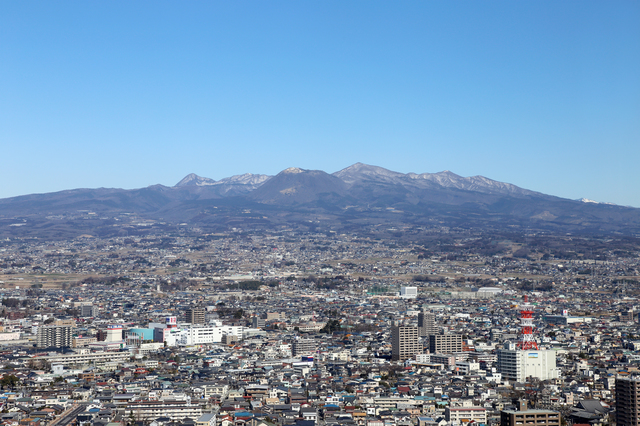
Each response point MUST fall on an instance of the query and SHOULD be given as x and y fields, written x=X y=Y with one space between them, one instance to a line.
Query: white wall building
x=409 y=292
x=199 y=334
x=467 y=367
x=517 y=365
x=459 y=415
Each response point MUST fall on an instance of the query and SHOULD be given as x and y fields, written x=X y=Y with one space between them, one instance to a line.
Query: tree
x=331 y=326
x=9 y=380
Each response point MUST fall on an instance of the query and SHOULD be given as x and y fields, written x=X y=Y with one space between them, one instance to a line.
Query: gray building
x=533 y=417
x=404 y=343
x=303 y=347
x=426 y=323
x=445 y=343
x=628 y=402
x=257 y=322
x=195 y=315
x=89 y=311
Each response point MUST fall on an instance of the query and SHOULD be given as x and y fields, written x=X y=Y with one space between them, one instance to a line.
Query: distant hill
x=358 y=197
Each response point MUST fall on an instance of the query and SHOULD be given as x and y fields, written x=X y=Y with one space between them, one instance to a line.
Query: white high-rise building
x=517 y=365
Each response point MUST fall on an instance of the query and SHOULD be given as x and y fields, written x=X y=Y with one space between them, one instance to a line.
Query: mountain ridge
x=353 y=198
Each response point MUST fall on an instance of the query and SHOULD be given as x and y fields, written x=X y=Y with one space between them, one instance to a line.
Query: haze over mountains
x=355 y=198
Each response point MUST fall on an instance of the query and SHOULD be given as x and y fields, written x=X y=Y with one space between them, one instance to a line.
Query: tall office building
x=52 y=336
x=445 y=343
x=627 y=402
x=426 y=323
x=404 y=342
x=195 y=315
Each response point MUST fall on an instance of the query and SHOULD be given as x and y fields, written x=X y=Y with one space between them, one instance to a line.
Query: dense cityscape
x=280 y=328
x=319 y=213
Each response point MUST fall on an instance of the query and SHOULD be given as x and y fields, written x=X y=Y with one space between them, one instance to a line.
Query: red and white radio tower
x=526 y=321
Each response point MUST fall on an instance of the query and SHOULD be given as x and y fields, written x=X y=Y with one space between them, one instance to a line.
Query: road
x=68 y=416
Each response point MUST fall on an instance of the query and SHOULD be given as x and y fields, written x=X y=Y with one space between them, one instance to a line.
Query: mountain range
x=358 y=197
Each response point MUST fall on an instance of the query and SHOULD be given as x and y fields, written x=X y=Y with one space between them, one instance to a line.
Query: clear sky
x=541 y=94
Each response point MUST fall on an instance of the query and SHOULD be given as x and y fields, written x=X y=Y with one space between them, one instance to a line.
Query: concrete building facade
x=530 y=417
x=426 y=323
x=195 y=315
x=458 y=415
x=627 y=402
x=445 y=343
x=303 y=347
x=53 y=336
x=404 y=343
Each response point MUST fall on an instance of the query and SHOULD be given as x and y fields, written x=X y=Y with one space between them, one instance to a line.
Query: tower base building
x=517 y=365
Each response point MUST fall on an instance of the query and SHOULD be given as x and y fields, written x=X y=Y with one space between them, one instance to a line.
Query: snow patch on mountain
x=244 y=179
x=588 y=201
x=292 y=170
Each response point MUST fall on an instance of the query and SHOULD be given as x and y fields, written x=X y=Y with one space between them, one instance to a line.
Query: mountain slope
x=298 y=186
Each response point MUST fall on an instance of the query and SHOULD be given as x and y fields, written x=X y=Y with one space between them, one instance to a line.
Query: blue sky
x=541 y=94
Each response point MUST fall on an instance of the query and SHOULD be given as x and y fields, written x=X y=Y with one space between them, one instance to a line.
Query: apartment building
x=458 y=415
x=627 y=403
x=151 y=410
x=445 y=343
x=426 y=323
x=524 y=416
x=195 y=315
x=404 y=343
x=53 y=336
x=304 y=347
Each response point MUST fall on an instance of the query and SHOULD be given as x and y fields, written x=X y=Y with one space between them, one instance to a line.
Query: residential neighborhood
x=312 y=330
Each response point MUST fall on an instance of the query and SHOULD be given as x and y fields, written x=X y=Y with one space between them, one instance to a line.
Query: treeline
x=251 y=285
x=15 y=303
x=528 y=285
x=428 y=278
x=327 y=283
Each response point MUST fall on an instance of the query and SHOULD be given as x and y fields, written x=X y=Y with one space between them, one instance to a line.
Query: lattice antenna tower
x=526 y=323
